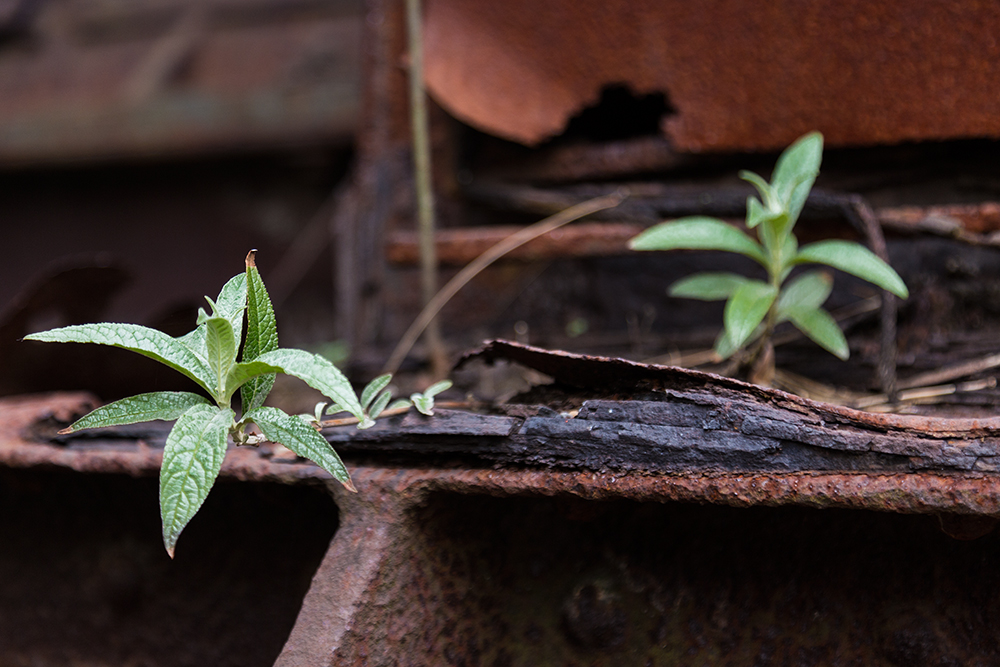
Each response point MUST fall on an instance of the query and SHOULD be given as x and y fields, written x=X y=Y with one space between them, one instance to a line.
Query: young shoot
x=754 y=307
x=207 y=355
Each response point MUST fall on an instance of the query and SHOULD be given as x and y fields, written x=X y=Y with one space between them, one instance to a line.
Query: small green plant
x=207 y=355
x=754 y=307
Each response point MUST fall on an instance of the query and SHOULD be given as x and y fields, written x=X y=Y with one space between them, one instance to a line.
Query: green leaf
x=707 y=286
x=438 y=387
x=220 y=346
x=766 y=194
x=807 y=292
x=302 y=439
x=796 y=171
x=746 y=309
x=399 y=403
x=312 y=369
x=232 y=302
x=373 y=388
x=698 y=233
x=724 y=345
x=820 y=326
x=757 y=213
x=191 y=462
x=379 y=405
x=143 y=340
x=165 y=405
x=854 y=259
x=262 y=335
x=423 y=404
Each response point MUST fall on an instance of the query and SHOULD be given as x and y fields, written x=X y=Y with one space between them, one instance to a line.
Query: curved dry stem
x=513 y=241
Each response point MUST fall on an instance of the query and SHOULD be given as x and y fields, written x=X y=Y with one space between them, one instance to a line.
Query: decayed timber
x=676 y=420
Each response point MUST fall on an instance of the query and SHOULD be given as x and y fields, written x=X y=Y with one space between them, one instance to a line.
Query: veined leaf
x=373 y=388
x=807 y=292
x=302 y=439
x=194 y=340
x=424 y=402
x=262 y=335
x=378 y=405
x=191 y=462
x=698 y=233
x=746 y=309
x=856 y=260
x=312 y=369
x=231 y=303
x=707 y=286
x=143 y=340
x=164 y=405
x=820 y=326
x=220 y=346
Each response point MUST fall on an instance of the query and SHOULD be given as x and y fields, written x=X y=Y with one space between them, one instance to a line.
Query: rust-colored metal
x=516 y=566
x=741 y=76
x=459 y=246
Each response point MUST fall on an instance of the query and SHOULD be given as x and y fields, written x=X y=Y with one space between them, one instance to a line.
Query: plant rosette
x=197 y=443
x=754 y=307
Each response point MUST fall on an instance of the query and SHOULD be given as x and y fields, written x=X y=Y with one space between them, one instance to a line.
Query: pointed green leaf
x=854 y=259
x=262 y=335
x=746 y=309
x=379 y=404
x=438 y=387
x=399 y=403
x=164 y=405
x=302 y=439
x=707 y=286
x=807 y=292
x=312 y=369
x=820 y=326
x=232 y=302
x=220 y=346
x=143 y=340
x=373 y=388
x=194 y=340
x=191 y=462
x=796 y=171
x=698 y=233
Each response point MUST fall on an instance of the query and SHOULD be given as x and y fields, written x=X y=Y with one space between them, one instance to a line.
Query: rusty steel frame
x=373 y=599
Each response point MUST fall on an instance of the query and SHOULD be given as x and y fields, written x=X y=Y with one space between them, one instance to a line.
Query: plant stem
x=422 y=183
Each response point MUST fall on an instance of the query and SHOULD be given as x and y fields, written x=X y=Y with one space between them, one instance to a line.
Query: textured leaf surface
x=856 y=260
x=262 y=336
x=698 y=233
x=820 y=326
x=746 y=309
x=143 y=340
x=220 y=347
x=373 y=388
x=232 y=302
x=707 y=286
x=302 y=439
x=314 y=370
x=165 y=405
x=191 y=462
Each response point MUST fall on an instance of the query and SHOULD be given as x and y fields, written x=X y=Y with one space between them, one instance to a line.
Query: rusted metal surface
x=459 y=246
x=515 y=565
x=97 y=81
x=740 y=76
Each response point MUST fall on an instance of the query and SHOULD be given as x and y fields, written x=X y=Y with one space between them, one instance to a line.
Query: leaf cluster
x=208 y=355
x=754 y=307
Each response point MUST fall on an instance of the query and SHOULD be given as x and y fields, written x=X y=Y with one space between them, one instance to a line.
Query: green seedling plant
x=754 y=307
x=375 y=399
x=207 y=355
